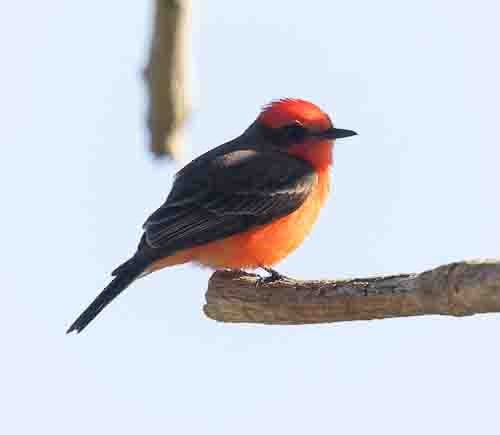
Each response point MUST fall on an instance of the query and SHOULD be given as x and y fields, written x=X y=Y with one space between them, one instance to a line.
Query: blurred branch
x=456 y=289
x=166 y=77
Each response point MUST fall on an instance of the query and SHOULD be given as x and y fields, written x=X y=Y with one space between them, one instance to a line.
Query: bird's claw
x=274 y=276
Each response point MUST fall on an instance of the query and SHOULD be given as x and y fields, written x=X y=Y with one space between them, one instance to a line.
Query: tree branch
x=456 y=289
x=165 y=77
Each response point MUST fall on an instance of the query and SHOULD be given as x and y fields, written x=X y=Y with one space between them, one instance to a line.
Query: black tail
x=127 y=273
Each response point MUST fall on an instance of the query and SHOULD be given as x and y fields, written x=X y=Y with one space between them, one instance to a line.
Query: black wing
x=226 y=195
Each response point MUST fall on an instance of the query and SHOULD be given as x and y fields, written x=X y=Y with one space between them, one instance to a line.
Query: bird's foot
x=273 y=276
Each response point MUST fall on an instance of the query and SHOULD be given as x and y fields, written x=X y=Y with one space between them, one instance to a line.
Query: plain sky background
x=417 y=188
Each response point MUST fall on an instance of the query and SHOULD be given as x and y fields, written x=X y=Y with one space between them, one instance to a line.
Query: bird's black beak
x=337 y=133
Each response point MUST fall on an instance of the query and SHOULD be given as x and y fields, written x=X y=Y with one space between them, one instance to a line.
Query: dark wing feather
x=226 y=195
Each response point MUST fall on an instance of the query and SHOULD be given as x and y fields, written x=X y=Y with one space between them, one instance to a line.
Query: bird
x=245 y=204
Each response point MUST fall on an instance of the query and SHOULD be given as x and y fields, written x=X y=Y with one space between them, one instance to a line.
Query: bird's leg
x=274 y=275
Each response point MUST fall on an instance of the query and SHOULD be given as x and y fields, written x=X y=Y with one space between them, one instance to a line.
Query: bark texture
x=456 y=289
x=166 y=77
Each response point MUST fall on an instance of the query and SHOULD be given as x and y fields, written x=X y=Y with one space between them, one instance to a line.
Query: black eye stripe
x=294 y=132
x=286 y=135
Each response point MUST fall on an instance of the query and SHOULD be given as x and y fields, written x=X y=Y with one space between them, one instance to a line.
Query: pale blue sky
x=418 y=187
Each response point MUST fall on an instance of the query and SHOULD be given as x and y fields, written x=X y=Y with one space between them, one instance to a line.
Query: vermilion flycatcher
x=246 y=204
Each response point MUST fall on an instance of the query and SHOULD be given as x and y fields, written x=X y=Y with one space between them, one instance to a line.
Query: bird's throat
x=319 y=154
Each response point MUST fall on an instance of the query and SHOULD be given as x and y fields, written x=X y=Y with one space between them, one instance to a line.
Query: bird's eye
x=295 y=132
